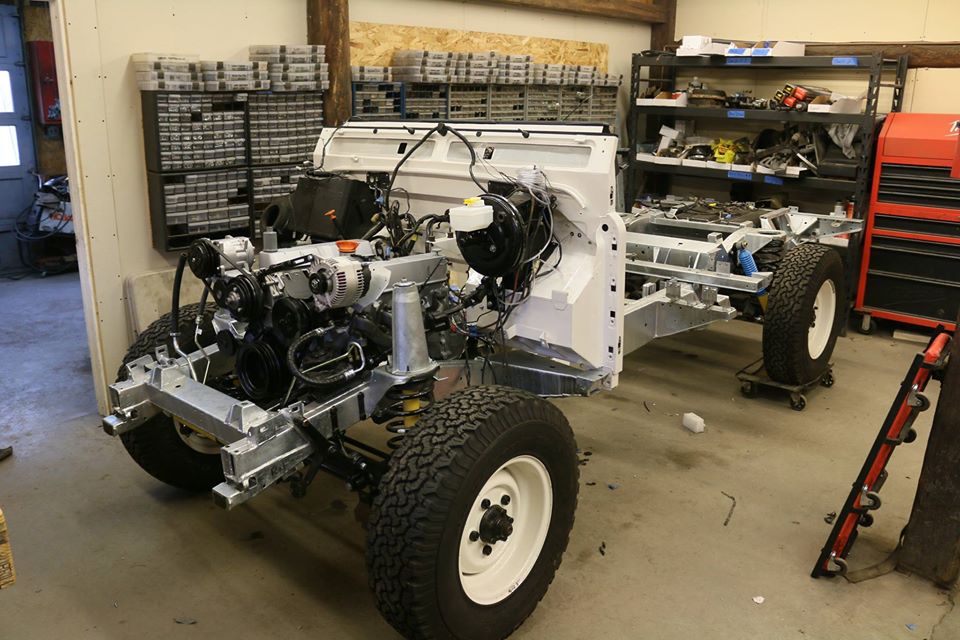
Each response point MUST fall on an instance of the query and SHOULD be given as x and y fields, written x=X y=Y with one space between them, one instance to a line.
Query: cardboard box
x=8 y=574
x=700 y=46
x=738 y=50
x=695 y=42
x=840 y=104
x=666 y=160
x=712 y=49
x=664 y=99
x=771 y=49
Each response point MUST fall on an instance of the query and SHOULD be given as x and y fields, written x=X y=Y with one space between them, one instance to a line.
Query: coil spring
x=749 y=266
x=403 y=407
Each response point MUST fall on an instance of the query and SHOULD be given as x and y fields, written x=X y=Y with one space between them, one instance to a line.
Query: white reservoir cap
x=472 y=216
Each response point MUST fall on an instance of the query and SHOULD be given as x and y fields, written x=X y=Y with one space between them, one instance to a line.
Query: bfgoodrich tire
x=804 y=315
x=484 y=464
x=183 y=459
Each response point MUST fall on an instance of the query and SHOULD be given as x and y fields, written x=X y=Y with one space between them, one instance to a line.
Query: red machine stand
x=910 y=271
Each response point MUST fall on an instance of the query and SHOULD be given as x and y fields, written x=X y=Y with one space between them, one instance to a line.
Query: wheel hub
x=821 y=324
x=199 y=442
x=495 y=526
x=499 y=548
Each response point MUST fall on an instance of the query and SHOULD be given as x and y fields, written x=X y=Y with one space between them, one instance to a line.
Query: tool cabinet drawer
x=914 y=277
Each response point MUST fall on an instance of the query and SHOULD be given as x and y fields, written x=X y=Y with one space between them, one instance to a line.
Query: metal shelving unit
x=851 y=179
x=812 y=182
x=766 y=115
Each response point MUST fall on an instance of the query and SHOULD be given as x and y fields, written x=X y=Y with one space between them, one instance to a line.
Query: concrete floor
x=104 y=551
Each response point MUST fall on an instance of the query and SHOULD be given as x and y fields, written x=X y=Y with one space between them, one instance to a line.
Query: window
x=9 y=149
x=6 y=93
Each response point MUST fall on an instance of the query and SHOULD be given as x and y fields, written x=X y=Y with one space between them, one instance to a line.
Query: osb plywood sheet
x=373 y=44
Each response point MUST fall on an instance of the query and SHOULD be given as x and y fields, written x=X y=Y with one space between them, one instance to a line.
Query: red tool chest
x=910 y=269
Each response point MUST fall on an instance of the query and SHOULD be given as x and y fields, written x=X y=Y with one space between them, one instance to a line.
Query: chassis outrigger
x=536 y=285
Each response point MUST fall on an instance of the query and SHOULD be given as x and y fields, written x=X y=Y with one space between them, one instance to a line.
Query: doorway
x=18 y=180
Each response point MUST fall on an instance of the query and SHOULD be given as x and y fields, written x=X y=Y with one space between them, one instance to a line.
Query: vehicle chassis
x=686 y=285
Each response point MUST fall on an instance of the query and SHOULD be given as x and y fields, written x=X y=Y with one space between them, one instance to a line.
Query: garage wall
x=928 y=90
x=104 y=147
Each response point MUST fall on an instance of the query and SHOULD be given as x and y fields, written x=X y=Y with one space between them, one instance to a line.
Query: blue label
x=736 y=113
x=739 y=61
x=772 y=180
x=739 y=175
x=845 y=62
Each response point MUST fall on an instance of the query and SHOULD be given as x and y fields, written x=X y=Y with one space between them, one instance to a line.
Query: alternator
x=338 y=282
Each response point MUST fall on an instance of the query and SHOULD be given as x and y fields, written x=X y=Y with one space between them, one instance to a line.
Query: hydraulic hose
x=318 y=380
x=175 y=302
x=175 y=313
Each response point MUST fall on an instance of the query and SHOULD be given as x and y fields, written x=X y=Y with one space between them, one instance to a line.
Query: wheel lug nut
x=505 y=500
x=474 y=536
x=485 y=504
x=487 y=549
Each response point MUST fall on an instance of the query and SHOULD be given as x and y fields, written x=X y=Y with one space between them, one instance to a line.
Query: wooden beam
x=633 y=10
x=664 y=33
x=931 y=545
x=328 y=23
x=921 y=54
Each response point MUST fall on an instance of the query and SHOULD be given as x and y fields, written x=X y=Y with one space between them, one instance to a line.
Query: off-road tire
x=418 y=515
x=789 y=313
x=155 y=445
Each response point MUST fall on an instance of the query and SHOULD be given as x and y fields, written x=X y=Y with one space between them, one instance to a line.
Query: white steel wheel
x=473 y=515
x=804 y=314
x=505 y=530
x=199 y=442
x=824 y=312
x=184 y=460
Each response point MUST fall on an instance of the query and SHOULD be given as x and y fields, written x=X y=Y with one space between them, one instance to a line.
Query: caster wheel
x=798 y=402
x=911 y=436
x=748 y=389
x=866 y=520
x=867 y=326
x=923 y=402
x=827 y=379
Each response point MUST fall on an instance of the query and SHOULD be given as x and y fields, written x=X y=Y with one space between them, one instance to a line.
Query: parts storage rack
x=665 y=69
x=494 y=102
x=840 y=180
x=214 y=159
x=911 y=257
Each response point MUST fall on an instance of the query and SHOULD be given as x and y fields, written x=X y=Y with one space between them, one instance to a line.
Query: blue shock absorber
x=749 y=266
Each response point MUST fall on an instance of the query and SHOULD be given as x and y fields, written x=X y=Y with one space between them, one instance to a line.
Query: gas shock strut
x=402 y=407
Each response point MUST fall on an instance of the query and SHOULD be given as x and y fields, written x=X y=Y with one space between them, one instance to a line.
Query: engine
x=311 y=312
x=306 y=318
